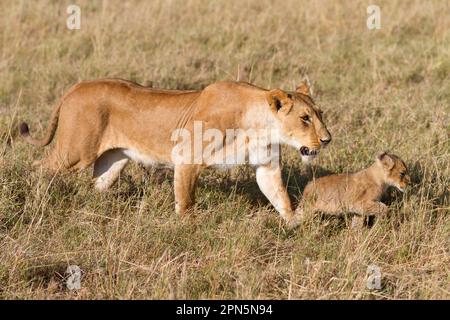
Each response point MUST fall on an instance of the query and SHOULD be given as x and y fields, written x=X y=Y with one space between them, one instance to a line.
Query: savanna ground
x=386 y=89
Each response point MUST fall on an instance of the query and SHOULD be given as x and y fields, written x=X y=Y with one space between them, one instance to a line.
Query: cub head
x=299 y=120
x=395 y=170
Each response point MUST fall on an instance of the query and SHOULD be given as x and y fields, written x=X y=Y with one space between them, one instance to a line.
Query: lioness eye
x=305 y=118
x=402 y=174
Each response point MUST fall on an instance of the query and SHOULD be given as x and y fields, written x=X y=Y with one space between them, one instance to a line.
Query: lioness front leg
x=270 y=183
x=185 y=178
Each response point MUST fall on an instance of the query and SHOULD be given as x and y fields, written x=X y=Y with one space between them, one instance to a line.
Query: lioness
x=359 y=192
x=108 y=122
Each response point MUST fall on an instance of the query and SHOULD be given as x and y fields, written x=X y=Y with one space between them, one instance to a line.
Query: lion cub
x=358 y=193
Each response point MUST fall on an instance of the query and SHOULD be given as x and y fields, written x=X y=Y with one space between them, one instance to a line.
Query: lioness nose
x=325 y=141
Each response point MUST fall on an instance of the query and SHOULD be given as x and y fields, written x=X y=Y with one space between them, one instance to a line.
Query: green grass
x=386 y=89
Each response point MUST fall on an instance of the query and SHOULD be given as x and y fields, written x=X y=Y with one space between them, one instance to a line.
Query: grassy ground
x=381 y=89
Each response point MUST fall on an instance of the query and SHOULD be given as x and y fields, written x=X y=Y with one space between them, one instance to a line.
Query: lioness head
x=299 y=120
x=395 y=170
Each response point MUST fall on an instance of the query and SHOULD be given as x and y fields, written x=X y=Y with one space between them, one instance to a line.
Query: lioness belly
x=145 y=159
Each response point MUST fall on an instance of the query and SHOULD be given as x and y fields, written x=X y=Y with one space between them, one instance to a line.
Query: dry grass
x=384 y=89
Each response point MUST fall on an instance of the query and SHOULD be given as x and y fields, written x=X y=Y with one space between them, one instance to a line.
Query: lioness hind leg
x=107 y=168
x=54 y=162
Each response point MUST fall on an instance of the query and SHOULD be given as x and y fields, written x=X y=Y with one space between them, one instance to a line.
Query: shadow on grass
x=45 y=275
x=243 y=181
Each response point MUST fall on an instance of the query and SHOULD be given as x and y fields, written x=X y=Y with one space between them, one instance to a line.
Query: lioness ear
x=279 y=101
x=385 y=160
x=304 y=88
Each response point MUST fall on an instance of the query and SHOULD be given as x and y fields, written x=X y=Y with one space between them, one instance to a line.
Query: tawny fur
x=357 y=193
x=108 y=122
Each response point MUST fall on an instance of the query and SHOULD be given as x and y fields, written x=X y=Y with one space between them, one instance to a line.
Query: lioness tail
x=25 y=131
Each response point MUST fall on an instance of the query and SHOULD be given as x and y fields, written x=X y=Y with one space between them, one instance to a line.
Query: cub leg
x=107 y=168
x=367 y=209
x=185 y=178
x=305 y=210
x=357 y=222
x=271 y=185
x=300 y=215
x=373 y=208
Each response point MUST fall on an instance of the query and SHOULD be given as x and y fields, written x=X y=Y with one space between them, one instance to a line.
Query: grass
x=384 y=89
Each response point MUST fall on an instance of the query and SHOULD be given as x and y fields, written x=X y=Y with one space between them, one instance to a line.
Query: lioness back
x=122 y=114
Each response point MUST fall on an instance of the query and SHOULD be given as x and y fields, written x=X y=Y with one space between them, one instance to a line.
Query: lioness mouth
x=304 y=151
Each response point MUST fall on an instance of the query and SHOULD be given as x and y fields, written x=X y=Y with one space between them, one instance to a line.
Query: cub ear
x=385 y=160
x=304 y=88
x=280 y=101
